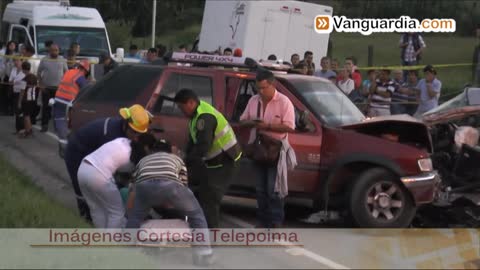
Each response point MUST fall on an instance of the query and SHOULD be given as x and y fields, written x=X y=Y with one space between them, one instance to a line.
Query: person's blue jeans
x=60 y=121
x=158 y=193
x=270 y=211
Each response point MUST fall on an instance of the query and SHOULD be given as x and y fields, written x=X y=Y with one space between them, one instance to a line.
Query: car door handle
x=88 y=111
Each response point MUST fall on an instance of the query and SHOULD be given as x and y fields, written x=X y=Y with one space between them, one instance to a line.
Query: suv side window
x=246 y=91
x=122 y=85
x=202 y=85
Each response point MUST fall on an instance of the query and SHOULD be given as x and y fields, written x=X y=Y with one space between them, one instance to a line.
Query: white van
x=34 y=22
x=261 y=28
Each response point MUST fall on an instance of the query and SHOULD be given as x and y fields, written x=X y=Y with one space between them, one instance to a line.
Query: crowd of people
x=383 y=92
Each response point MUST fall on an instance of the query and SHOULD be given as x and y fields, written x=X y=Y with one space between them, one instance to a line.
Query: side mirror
x=120 y=53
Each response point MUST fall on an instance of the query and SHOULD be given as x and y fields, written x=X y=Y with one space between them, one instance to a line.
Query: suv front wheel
x=378 y=200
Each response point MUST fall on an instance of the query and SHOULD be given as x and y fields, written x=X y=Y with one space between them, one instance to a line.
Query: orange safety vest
x=68 y=88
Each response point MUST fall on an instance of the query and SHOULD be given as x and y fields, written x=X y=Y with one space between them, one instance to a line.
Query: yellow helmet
x=138 y=118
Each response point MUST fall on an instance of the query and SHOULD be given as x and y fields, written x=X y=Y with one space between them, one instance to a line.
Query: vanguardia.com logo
x=325 y=24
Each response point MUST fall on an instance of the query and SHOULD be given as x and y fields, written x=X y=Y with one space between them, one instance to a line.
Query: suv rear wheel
x=378 y=200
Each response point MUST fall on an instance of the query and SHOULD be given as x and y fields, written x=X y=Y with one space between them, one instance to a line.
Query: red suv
x=378 y=171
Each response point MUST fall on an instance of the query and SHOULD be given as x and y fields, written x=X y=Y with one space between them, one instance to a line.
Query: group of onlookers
x=380 y=93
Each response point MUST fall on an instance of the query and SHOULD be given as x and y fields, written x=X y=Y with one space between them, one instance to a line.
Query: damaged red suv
x=376 y=171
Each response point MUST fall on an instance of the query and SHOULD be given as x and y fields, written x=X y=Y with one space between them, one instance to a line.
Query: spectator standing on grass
x=71 y=58
x=353 y=73
x=272 y=57
x=6 y=96
x=295 y=59
x=301 y=68
x=227 y=52
x=108 y=63
x=182 y=48
x=334 y=65
x=430 y=88
x=476 y=64
x=308 y=60
x=381 y=92
x=75 y=47
x=133 y=52
x=28 y=101
x=371 y=77
x=346 y=84
x=50 y=73
x=407 y=92
x=18 y=84
x=325 y=72
x=161 y=50
x=150 y=57
x=399 y=99
x=277 y=116
x=411 y=48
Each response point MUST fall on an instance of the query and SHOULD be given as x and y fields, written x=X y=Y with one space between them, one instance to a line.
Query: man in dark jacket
x=108 y=63
x=133 y=122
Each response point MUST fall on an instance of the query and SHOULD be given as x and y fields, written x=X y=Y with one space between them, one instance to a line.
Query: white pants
x=102 y=196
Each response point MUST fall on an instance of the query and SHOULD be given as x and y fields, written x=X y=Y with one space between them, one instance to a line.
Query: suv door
x=168 y=121
x=306 y=142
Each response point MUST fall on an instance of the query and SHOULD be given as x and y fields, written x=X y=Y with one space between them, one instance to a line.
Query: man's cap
x=85 y=65
x=138 y=118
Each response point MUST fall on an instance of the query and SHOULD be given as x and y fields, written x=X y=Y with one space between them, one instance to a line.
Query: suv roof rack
x=208 y=60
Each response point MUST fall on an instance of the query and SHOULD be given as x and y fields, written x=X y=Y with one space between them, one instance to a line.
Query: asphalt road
x=322 y=248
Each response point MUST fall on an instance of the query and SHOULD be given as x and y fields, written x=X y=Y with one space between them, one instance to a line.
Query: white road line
x=292 y=251
x=48 y=133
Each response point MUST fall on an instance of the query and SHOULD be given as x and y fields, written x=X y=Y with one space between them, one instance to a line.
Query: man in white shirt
x=95 y=178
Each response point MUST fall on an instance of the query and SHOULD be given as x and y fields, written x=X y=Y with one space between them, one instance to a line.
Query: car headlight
x=425 y=165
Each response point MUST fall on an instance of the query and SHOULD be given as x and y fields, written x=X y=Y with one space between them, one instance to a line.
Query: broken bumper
x=423 y=187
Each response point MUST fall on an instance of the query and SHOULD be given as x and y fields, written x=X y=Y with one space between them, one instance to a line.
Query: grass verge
x=25 y=205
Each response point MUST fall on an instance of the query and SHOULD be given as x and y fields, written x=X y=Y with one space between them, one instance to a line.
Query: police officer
x=212 y=148
x=133 y=122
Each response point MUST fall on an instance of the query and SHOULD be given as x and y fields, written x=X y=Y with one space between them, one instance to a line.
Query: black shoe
x=203 y=260
x=44 y=129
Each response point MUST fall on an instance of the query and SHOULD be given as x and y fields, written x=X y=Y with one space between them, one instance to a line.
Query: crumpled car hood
x=450 y=115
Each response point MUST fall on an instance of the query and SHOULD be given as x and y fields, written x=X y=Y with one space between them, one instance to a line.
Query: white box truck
x=261 y=28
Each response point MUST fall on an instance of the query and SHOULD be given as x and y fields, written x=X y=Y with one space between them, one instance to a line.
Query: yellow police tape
x=24 y=58
x=416 y=67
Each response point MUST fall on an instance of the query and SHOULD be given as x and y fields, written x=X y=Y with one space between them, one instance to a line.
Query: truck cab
x=369 y=169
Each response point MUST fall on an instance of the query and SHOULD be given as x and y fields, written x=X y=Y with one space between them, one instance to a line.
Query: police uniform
x=212 y=156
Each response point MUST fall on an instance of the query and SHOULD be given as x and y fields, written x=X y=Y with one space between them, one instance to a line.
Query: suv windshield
x=326 y=101
x=93 y=41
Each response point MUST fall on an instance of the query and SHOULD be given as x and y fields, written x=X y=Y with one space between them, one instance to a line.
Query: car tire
x=378 y=200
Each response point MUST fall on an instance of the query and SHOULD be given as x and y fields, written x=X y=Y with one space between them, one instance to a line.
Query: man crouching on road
x=212 y=148
x=161 y=180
